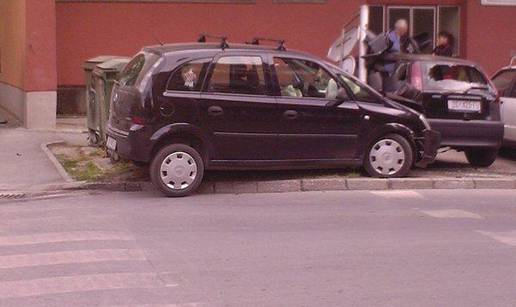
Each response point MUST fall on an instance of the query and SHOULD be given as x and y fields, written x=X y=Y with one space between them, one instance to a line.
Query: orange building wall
x=85 y=30
x=40 y=69
x=491 y=34
x=12 y=42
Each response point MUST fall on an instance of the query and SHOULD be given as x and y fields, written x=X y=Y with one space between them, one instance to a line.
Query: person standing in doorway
x=445 y=42
x=396 y=37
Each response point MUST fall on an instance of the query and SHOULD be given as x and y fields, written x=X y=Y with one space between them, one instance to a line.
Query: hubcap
x=387 y=157
x=178 y=170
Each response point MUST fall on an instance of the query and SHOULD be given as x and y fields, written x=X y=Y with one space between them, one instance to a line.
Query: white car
x=505 y=82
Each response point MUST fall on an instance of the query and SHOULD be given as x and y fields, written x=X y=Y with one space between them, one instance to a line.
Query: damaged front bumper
x=429 y=145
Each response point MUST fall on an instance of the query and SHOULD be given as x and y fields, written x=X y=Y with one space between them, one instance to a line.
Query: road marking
x=70 y=257
x=163 y=305
x=398 y=194
x=55 y=237
x=79 y=283
x=452 y=214
x=508 y=238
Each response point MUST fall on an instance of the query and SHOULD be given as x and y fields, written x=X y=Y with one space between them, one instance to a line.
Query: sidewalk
x=23 y=163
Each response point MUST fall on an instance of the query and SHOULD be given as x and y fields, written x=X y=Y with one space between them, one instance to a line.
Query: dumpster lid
x=114 y=64
x=101 y=58
x=91 y=63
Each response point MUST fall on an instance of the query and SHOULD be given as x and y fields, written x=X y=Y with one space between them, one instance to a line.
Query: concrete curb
x=60 y=169
x=316 y=184
x=290 y=185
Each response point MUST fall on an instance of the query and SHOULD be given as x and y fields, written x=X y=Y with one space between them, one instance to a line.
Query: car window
x=361 y=92
x=503 y=82
x=135 y=70
x=300 y=78
x=238 y=75
x=189 y=76
x=452 y=77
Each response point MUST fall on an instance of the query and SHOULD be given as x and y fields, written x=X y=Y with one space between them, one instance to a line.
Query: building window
x=299 y=1
x=163 y=1
x=425 y=21
x=498 y=2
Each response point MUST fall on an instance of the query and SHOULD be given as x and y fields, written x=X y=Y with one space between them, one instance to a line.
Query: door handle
x=290 y=114
x=215 y=110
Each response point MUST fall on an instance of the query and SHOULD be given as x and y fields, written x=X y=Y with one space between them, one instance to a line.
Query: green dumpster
x=93 y=119
x=104 y=76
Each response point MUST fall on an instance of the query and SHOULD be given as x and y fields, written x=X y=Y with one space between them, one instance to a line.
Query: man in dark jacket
x=444 y=45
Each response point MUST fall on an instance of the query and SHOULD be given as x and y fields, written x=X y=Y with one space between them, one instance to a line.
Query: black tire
x=406 y=163
x=155 y=170
x=481 y=157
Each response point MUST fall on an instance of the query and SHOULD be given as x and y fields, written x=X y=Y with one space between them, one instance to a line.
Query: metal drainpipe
x=362 y=50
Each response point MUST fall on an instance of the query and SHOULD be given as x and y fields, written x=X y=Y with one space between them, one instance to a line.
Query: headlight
x=425 y=122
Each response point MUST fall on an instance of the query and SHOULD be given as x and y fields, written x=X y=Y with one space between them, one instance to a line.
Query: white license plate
x=111 y=143
x=464 y=105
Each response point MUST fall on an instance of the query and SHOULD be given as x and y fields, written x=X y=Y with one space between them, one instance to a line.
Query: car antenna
x=223 y=39
x=158 y=40
x=280 y=42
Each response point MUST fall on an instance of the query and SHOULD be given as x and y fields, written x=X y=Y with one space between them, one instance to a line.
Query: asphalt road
x=384 y=248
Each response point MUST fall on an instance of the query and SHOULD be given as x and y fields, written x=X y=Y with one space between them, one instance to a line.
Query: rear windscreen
x=452 y=77
x=136 y=69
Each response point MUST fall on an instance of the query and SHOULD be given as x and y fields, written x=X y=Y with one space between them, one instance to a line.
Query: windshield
x=360 y=91
x=452 y=77
x=135 y=70
x=503 y=82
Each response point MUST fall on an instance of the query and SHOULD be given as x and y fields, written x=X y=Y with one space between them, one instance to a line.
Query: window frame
x=211 y=68
x=511 y=89
x=202 y=79
x=437 y=19
x=277 y=88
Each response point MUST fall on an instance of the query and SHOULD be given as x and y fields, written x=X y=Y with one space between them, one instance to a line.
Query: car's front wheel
x=177 y=170
x=482 y=157
x=389 y=156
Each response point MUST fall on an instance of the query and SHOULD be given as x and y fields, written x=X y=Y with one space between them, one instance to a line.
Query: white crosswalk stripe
x=70 y=257
x=401 y=194
x=452 y=214
x=79 y=283
x=507 y=238
x=55 y=237
x=98 y=259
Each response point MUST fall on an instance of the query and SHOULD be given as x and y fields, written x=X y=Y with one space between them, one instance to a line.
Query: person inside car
x=444 y=44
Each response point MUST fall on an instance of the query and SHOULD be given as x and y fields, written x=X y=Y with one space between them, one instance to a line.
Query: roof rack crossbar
x=223 y=39
x=280 y=42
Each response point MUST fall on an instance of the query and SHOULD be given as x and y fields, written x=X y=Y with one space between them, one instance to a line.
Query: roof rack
x=223 y=39
x=257 y=40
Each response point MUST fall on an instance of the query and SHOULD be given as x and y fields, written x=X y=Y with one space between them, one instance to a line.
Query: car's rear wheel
x=482 y=157
x=177 y=170
x=389 y=156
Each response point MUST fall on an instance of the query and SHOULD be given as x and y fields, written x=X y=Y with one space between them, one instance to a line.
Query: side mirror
x=342 y=96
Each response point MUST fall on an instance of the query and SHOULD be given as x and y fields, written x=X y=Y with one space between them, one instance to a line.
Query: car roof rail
x=280 y=42
x=513 y=61
x=223 y=39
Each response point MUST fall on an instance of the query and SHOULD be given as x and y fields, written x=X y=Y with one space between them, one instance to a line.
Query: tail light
x=498 y=98
x=416 y=76
x=138 y=120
